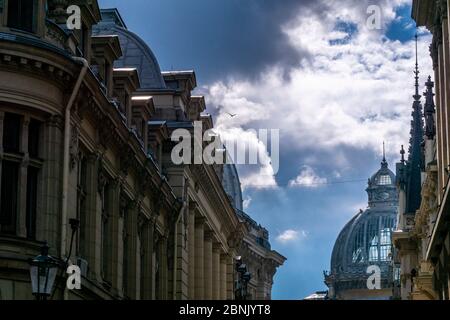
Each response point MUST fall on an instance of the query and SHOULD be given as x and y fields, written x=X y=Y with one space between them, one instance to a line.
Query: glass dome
x=366 y=239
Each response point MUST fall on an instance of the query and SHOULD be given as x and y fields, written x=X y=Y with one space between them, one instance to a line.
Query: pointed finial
x=384 y=162
x=416 y=72
x=402 y=152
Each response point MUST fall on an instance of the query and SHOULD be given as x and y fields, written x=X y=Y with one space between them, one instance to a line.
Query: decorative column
x=223 y=277
x=442 y=114
x=116 y=234
x=230 y=277
x=216 y=272
x=23 y=177
x=191 y=259
x=446 y=67
x=208 y=265
x=437 y=80
x=181 y=264
x=199 y=255
x=164 y=268
x=147 y=263
x=48 y=226
x=132 y=250
x=91 y=222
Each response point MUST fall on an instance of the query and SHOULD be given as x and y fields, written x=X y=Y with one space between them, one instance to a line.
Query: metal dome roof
x=366 y=238
x=136 y=53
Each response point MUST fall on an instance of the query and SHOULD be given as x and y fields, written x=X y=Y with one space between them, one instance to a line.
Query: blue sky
x=312 y=68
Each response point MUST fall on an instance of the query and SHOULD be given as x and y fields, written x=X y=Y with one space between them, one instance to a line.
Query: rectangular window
x=8 y=199
x=385 y=253
x=373 y=239
x=11 y=133
x=32 y=185
x=34 y=130
x=21 y=14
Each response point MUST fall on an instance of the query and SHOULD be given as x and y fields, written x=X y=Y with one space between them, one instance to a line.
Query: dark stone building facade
x=86 y=117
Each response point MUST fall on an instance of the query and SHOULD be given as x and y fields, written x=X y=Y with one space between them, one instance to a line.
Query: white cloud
x=259 y=176
x=290 y=236
x=246 y=203
x=308 y=179
x=353 y=94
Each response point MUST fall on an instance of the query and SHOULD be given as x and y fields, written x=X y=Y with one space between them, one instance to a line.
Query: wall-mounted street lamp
x=43 y=270
x=244 y=277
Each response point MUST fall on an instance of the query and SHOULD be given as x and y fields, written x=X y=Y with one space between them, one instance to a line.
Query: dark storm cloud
x=222 y=37
x=255 y=37
x=216 y=38
x=243 y=37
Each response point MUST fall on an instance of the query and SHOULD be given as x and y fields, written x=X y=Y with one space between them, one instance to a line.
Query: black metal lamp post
x=44 y=268
x=43 y=272
x=244 y=278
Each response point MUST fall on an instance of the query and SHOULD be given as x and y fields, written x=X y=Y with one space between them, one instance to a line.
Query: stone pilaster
x=199 y=258
x=116 y=240
x=132 y=251
x=437 y=81
x=216 y=272
x=191 y=244
x=182 y=261
x=164 y=269
x=208 y=265
x=23 y=177
x=91 y=221
x=49 y=222
x=223 y=277
x=230 y=277
x=446 y=73
x=147 y=263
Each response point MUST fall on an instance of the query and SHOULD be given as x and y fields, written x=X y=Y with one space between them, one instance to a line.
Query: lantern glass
x=43 y=277
x=242 y=268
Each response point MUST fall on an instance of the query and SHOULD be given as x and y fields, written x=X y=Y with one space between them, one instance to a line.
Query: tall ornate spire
x=414 y=163
x=417 y=96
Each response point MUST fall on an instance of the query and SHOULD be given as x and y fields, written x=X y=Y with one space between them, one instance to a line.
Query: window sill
x=23 y=32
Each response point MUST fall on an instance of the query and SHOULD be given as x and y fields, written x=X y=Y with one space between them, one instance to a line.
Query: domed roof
x=232 y=185
x=384 y=176
x=366 y=238
x=136 y=53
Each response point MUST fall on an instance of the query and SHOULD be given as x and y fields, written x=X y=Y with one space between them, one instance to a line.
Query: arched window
x=373 y=239
x=387 y=226
x=358 y=246
x=384 y=180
